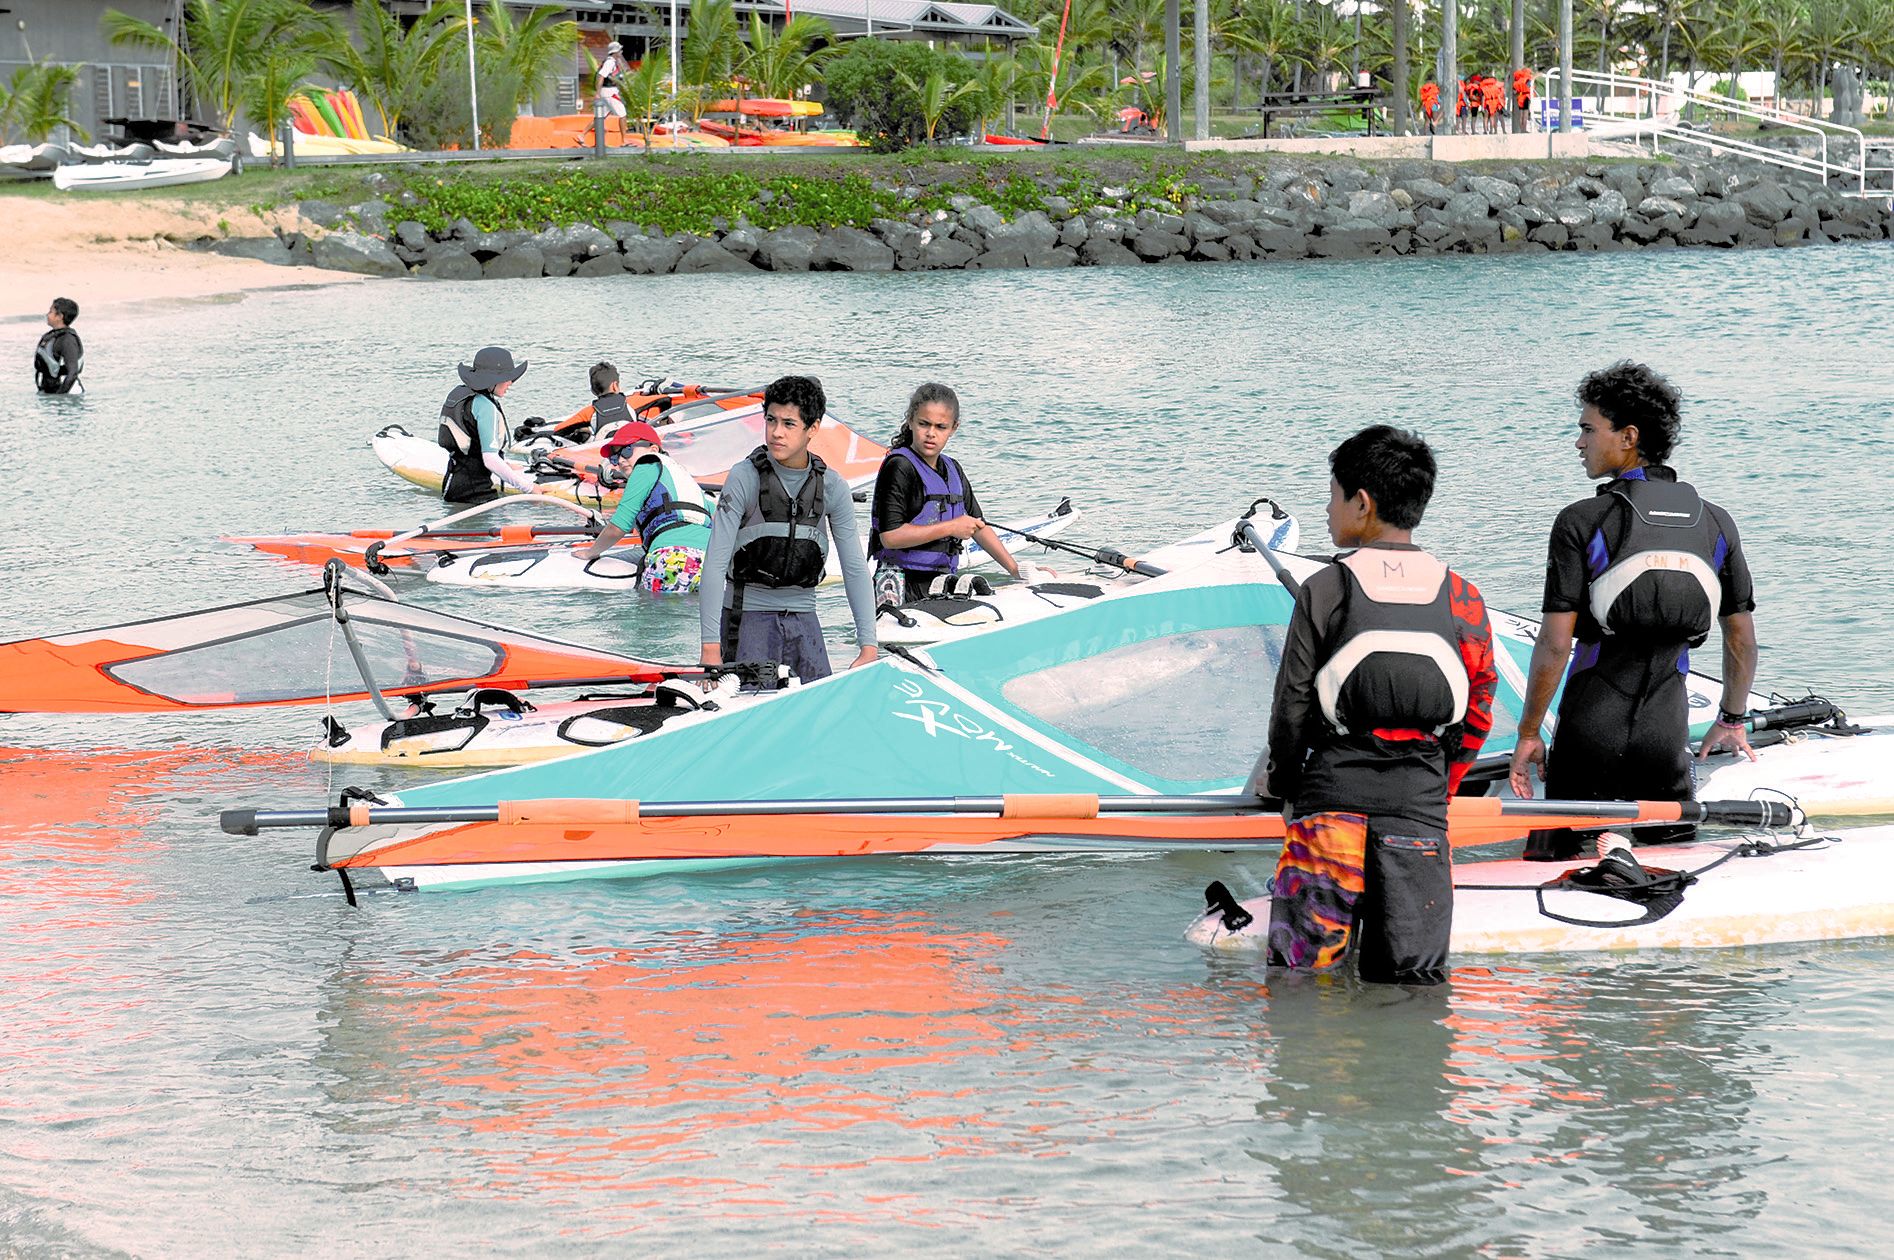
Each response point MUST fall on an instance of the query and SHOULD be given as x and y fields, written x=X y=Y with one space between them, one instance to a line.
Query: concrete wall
x=1505 y=148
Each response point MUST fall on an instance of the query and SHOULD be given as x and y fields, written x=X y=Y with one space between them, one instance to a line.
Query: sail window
x=1190 y=707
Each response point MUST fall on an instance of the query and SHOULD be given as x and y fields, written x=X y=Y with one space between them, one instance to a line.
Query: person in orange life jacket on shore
x=1493 y=101
x=1636 y=574
x=663 y=505
x=924 y=509
x=1522 y=90
x=1382 y=701
x=777 y=515
x=1430 y=103
x=473 y=430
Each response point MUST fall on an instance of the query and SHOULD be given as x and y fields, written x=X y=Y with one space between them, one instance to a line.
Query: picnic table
x=1363 y=99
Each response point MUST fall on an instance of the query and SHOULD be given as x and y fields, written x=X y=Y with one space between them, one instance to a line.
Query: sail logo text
x=937 y=716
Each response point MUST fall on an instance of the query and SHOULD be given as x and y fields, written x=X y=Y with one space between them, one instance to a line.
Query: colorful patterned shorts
x=672 y=570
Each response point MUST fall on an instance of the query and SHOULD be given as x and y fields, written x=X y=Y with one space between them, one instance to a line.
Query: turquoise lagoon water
x=206 y=1051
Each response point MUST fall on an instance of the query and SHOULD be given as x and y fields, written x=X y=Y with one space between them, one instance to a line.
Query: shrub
x=873 y=86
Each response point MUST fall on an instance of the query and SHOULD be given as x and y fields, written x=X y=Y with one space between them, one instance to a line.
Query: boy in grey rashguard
x=777 y=515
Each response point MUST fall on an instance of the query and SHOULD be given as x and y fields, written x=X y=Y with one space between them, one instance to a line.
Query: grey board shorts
x=787 y=638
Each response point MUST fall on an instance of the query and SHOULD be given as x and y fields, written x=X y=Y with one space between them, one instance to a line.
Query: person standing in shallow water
x=1383 y=698
x=779 y=512
x=60 y=357
x=924 y=509
x=473 y=431
x=1636 y=574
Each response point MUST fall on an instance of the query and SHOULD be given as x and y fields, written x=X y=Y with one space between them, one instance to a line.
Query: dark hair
x=1394 y=466
x=603 y=374
x=804 y=393
x=931 y=392
x=67 y=308
x=1628 y=393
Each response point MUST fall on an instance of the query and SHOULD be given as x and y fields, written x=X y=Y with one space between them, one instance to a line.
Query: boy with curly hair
x=1636 y=574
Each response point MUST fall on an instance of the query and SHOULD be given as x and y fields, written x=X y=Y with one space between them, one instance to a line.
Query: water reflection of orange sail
x=656 y=1055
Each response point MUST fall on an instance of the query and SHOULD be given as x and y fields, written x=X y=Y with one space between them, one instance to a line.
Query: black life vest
x=609 y=410
x=781 y=542
x=58 y=361
x=1396 y=661
x=467 y=477
x=1658 y=585
x=944 y=498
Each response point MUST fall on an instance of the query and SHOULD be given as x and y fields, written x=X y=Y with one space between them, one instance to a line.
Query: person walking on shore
x=60 y=357
x=1636 y=574
x=1382 y=701
x=606 y=86
x=779 y=512
x=473 y=430
x=924 y=509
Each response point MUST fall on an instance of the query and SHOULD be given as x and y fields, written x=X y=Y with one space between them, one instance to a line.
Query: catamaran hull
x=1842 y=890
x=161 y=173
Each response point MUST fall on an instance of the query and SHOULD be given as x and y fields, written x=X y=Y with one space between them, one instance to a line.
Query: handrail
x=1658 y=93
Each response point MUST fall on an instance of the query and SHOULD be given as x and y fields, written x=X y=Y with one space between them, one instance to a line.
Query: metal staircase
x=1652 y=114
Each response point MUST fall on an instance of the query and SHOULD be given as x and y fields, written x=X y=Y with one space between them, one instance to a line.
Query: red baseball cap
x=628 y=435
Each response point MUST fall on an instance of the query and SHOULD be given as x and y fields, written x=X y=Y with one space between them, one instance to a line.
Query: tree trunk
x=1518 y=50
x=1200 y=17
x=1449 y=66
x=1173 y=67
x=1663 y=62
x=1398 y=89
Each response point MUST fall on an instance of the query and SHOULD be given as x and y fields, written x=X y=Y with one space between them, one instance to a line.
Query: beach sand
x=100 y=253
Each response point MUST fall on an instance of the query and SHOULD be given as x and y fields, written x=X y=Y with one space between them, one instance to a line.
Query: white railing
x=1649 y=111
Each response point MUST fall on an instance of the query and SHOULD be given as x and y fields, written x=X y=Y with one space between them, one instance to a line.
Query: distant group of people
x=780 y=514
x=1480 y=102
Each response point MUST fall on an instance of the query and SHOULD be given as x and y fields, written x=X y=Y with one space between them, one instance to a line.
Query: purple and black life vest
x=945 y=497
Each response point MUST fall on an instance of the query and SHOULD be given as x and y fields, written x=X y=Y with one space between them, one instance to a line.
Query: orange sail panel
x=286 y=650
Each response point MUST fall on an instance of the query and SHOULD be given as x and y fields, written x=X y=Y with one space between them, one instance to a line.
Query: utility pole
x=473 y=85
x=1173 y=79
x=1200 y=11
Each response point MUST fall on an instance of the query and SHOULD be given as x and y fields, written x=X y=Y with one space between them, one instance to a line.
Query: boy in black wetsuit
x=1636 y=573
x=1383 y=699
x=60 y=357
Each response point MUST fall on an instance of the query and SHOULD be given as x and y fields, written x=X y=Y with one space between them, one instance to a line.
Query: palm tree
x=1784 y=26
x=993 y=75
x=648 y=92
x=708 y=59
x=390 y=65
x=520 y=54
x=1269 y=29
x=224 y=44
x=780 y=63
x=36 y=100
x=936 y=94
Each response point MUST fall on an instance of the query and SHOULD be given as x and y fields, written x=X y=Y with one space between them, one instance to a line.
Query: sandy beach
x=99 y=253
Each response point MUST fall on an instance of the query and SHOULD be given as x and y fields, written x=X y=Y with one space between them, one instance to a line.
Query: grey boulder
x=364 y=255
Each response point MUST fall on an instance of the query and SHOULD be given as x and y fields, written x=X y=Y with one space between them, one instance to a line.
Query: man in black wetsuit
x=1636 y=574
x=60 y=358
